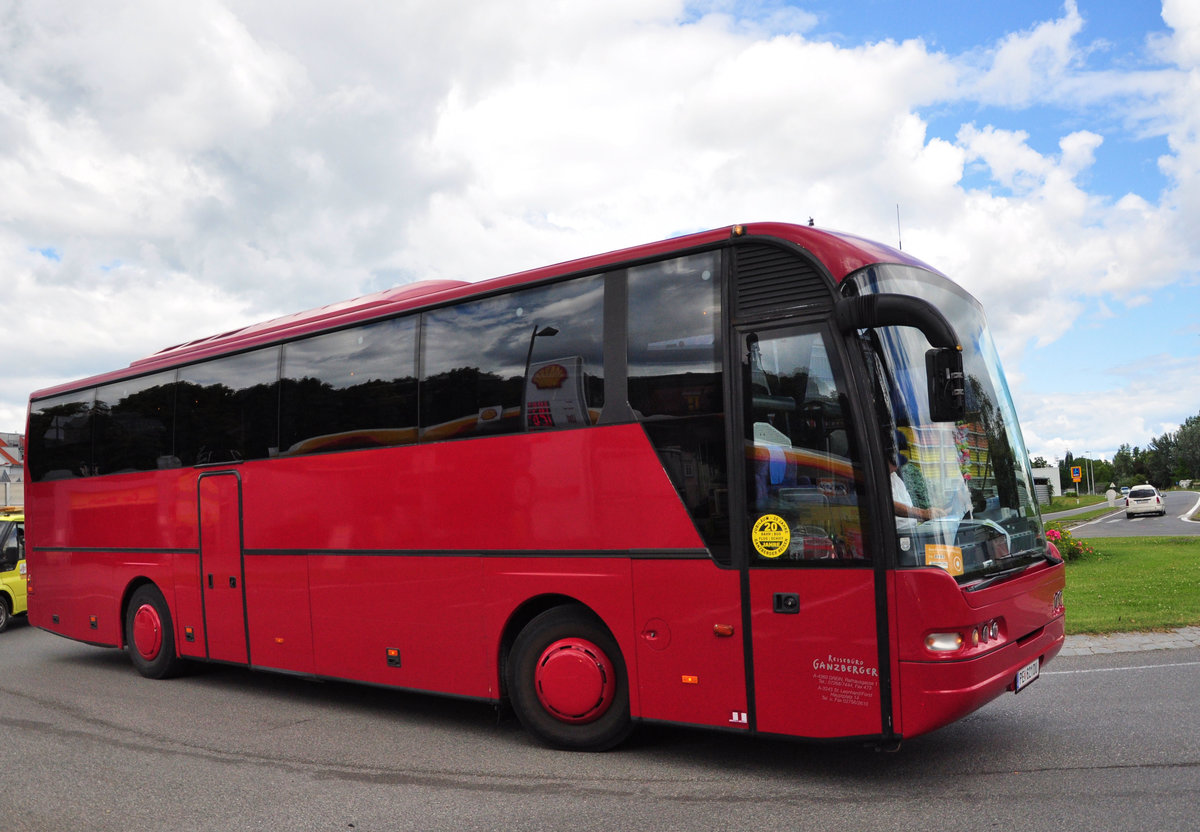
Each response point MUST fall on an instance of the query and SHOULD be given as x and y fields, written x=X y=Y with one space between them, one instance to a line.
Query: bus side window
x=134 y=421
x=354 y=388
x=227 y=409
x=527 y=360
x=675 y=383
x=60 y=437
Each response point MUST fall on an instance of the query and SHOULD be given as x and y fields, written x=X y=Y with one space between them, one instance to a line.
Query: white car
x=1144 y=499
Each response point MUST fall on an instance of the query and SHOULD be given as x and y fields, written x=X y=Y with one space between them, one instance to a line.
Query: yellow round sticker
x=771 y=535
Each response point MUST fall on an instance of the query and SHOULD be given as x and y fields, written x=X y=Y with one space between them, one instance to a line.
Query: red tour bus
x=766 y=478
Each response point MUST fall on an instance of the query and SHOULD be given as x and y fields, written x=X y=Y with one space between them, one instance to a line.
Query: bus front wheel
x=150 y=635
x=567 y=681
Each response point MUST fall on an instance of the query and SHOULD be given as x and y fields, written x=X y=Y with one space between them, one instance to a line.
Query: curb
x=1131 y=642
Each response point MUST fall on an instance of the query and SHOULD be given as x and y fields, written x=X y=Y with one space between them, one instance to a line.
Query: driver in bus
x=908 y=514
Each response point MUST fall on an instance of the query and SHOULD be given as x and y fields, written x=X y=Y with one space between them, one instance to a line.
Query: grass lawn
x=1066 y=503
x=1135 y=584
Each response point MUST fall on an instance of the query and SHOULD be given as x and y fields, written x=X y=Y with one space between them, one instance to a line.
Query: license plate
x=1027 y=674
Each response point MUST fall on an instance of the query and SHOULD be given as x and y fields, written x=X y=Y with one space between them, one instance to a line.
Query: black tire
x=150 y=635
x=5 y=614
x=567 y=681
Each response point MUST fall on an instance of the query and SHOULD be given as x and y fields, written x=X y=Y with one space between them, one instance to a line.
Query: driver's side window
x=14 y=550
x=803 y=474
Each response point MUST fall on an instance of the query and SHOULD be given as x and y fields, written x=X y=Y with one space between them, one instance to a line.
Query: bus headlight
x=943 y=642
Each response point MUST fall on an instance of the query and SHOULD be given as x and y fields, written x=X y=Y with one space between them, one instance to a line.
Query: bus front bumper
x=935 y=693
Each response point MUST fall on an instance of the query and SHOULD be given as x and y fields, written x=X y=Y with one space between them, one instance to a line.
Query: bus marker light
x=691 y=680
x=724 y=630
x=393 y=657
x=943 y=642
x=278 y=640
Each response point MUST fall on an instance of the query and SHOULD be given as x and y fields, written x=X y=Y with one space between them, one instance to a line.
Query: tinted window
x=227 y=409
x=60 y=437
x=529 y=360
x=134 y=425
x=675 y=387
x=351 y=389
x=675 y=337
x=12 y=545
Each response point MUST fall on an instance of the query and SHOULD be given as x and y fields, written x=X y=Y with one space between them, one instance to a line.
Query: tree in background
x=1164 y=461
x=1123 y=471
x=1187 y=449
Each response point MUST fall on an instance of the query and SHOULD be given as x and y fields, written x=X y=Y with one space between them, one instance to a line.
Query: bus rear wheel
x=567 y=682
x=150 y=635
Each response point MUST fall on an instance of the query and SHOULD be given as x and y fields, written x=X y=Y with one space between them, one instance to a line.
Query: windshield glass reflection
x=962 y=491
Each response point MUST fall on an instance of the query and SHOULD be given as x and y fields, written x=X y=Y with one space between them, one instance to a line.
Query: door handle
x=787 y=603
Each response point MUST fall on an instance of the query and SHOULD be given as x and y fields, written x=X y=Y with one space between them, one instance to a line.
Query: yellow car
x=12 y=566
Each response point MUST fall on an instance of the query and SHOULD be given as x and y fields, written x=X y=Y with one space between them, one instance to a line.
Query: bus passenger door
x=221 y=572
x=810 y=586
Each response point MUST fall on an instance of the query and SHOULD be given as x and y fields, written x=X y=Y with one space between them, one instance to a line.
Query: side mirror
x=943 y=363
x=947 y=392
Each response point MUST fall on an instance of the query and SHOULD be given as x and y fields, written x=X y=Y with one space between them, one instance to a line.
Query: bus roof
x=840 y=253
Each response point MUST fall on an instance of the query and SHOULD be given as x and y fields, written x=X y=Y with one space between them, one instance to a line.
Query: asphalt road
x=1099 y=742
x=1180 y=504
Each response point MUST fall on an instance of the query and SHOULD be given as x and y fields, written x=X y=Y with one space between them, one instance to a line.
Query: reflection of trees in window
x=467 y=400
x=60 y=437
x=227 y=409
x=135 y=424
x=476 y=354
x=1000 y=464
x=350 y=389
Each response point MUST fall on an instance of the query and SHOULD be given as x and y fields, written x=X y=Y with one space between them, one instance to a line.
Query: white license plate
x=1027 y=674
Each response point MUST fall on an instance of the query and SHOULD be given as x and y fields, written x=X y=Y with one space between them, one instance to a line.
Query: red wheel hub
x=147 y=632
x=575 y=680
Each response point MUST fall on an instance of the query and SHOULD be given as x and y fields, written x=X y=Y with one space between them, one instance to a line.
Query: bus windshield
x=963 y=491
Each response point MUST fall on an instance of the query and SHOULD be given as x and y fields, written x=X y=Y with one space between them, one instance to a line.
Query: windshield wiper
x=999 y=577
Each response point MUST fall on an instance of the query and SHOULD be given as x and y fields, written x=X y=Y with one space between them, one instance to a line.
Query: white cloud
x=1020 y=67
x=1182 y=47
x=197 y=168
x=1050 y=423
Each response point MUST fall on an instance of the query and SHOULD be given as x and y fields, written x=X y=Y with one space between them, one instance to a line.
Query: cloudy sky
x=171 y=170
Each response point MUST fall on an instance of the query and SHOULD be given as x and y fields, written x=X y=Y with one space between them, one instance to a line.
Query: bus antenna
x=899 y=239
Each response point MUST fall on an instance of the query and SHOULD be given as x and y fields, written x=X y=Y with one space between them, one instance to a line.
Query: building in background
x=12 y=469
x=1047 y=484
